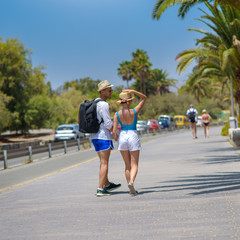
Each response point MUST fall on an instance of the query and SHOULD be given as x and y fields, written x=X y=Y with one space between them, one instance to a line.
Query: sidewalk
x=188 y=189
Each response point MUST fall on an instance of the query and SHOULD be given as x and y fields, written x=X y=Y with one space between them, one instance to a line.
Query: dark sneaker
x=112 y=186
x=102 y=193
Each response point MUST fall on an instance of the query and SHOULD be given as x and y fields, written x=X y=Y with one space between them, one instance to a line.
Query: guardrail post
x=5 y=159
x=65 y=146
x=90 y=145
x=30 y=154
x=78 y=142
x=49 y=150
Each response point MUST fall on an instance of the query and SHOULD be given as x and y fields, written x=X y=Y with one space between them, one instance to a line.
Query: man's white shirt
x=192 y=110
x=103 y=114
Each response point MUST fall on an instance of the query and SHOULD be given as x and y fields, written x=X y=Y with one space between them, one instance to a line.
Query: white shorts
x=129 y=141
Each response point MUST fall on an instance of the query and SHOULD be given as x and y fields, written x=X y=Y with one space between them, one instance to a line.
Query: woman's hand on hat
x=128 y=90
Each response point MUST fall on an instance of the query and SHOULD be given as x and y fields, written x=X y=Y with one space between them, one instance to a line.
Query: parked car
x=119 y=127
x=164 y=123
x=181 y=121
x=142 y=126
x=199 y=121
x=170 y=119
x=67 y=132
x=153 y=125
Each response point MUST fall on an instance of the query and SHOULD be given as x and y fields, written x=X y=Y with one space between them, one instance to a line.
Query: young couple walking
x=128 y=140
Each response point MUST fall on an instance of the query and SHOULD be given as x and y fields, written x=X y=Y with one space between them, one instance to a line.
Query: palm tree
x=125 y=71
x=217 y=52
x=161 y=82
x=185 y=5
x=141 y=68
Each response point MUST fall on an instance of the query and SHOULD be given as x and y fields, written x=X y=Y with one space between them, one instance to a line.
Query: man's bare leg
x=103 y=173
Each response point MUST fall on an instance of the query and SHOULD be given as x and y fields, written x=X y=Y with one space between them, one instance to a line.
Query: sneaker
x=102 y=192
x=112 y=186
x=132 y=192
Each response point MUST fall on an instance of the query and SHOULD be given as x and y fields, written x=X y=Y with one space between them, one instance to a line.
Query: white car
x=199 y=121
x=67 y=132
x=142 y=126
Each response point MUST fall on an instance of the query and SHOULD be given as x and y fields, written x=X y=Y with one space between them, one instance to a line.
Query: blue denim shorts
x=101 y=145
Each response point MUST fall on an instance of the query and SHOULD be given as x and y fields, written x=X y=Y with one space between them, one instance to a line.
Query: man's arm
x=105 y=114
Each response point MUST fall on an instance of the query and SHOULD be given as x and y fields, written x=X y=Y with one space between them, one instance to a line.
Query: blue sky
x=74 y=39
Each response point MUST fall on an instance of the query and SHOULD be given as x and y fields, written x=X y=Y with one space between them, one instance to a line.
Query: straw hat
x=104 y=84
x=125 y=97
x=204 y=110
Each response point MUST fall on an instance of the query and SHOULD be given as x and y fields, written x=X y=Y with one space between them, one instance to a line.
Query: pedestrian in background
x=128 y=139
x=205 y=122
x=102 y=140
x=192 y=115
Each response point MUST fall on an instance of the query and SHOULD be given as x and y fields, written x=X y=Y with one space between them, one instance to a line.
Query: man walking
x=192 y=115
x=102 y=140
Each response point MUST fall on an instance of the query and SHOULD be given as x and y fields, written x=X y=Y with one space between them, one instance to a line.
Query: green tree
x=185 y=5
x=38 y=112
x=160 y=81
x=141 y=68
x=85 y=85
x=125 y=71
x=5 y=115
x=217 y=54
x=19 y=81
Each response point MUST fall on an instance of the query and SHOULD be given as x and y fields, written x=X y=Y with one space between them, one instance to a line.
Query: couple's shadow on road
x=140 y=192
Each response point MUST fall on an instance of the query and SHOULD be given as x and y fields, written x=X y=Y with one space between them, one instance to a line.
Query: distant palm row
x=148 y=81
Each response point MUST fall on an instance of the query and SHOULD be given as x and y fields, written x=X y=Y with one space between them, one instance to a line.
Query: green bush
x=225 y=129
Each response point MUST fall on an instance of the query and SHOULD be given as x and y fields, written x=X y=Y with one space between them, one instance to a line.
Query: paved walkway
x=189 y=189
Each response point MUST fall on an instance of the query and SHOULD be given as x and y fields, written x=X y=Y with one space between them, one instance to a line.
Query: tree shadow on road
x=203 y=184
x=216 y=159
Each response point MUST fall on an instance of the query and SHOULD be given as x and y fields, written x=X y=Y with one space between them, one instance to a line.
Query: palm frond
x=162 y=5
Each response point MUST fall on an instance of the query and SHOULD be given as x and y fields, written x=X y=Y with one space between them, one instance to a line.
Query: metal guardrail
x=29 y=151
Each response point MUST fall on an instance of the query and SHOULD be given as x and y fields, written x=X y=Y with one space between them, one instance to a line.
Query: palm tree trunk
x=144 y=86
x=141 y=87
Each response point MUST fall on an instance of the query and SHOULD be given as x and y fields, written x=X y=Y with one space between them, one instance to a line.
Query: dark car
x=164 y=123
x=170 y=120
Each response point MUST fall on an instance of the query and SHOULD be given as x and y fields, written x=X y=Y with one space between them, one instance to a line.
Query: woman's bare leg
x=127 y=159
x=207 y=128
x=204 y=126
x=134 y=165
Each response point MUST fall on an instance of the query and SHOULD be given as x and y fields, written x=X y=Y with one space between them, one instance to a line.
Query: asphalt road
x=188 y=189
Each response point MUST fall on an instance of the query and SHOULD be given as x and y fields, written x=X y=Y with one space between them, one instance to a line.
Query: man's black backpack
x=88 y=122
x=191 y=115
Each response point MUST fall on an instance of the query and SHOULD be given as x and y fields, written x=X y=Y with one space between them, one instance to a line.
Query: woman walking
x=205 y=122
x=128 y=139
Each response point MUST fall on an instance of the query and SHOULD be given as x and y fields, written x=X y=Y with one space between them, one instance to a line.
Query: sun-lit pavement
x=188 y=189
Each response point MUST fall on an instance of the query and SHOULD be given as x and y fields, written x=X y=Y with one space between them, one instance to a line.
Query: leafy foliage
x=19 y=82
x=162 y=5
